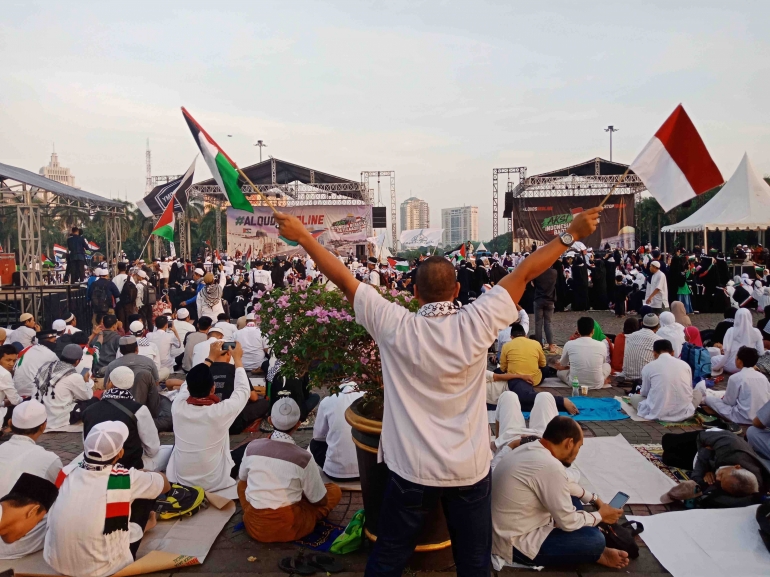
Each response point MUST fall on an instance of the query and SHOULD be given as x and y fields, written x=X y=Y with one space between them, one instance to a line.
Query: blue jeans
x=585 y=545
x=468 y=512
x=687 y=301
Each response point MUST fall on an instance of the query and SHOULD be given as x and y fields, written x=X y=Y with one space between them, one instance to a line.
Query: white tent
x=481 y=247
x=742 y=204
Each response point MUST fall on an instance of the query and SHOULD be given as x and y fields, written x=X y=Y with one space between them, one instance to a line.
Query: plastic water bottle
x=575 y=387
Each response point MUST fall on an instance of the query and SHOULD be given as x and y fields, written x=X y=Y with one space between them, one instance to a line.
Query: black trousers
x=527 y=394
x=140 y=514
x=250 y=413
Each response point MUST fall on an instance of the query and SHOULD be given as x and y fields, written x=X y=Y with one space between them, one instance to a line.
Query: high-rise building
x=57 y=172
x=460 y=224
x=414 y=214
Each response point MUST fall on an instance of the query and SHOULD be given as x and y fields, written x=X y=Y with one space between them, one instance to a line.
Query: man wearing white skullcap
x=656 y=295
x=97 y=497
x=21 y=454
x=141 y=449
x=183 y=328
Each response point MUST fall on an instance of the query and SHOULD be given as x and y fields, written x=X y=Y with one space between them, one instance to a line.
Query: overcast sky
x=439 y=92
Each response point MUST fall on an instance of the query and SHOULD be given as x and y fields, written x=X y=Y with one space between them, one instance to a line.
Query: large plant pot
x=434 y=548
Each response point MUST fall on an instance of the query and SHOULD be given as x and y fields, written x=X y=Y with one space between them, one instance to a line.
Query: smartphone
x=619 y=500
x=228 y=346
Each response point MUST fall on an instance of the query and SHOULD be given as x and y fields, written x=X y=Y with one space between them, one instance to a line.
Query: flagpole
x=255 y=189
x=614 y=186
x=145 y=246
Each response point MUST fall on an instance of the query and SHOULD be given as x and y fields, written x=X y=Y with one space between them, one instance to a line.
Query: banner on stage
x=544 y=218
x=337 y=227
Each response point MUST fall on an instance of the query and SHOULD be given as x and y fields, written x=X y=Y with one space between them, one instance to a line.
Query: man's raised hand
x=290 y=227
x=585 y=223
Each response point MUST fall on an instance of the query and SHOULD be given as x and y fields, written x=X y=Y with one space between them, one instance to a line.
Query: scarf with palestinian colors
x=118 y=493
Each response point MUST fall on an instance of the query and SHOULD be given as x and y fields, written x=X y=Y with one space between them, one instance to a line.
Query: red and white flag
x=675 y=165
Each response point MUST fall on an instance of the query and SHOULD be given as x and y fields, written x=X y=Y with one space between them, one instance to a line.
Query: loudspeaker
x=379 y=217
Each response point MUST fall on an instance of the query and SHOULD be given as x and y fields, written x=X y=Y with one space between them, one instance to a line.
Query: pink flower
x=393 y=293
x=258 y=307
x=284 y=350
x=257 y=319
x=364 y=360
x=408 y=299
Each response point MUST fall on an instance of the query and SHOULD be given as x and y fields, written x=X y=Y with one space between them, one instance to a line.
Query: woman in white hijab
x=511 y=425
x=672 y=331
x=764 y=300
x=742 y=334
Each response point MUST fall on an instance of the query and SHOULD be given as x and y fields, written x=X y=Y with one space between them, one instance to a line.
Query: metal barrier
x=46 y=302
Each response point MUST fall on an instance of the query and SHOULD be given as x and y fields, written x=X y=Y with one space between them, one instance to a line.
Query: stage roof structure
x=592 y=177
x=743 y=203
x=302 y=185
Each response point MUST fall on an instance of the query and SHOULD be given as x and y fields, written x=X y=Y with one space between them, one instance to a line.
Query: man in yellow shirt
x=524 y=358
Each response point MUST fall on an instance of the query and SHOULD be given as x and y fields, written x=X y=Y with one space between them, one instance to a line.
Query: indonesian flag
x=92 y=245
x=165 y=226
x=675 y=165
x=58 y=249
x=223 y=169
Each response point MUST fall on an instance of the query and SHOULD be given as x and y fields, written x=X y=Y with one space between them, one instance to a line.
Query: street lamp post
x=261 y=145
x=609 y=129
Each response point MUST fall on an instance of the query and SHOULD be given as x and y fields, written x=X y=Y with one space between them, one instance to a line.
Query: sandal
x=296 y=566
x=325 y=563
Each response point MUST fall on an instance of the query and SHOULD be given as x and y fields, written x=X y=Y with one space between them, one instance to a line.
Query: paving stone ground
x=232 y=549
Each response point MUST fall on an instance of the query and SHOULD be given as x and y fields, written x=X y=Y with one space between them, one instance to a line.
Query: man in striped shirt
x=639 y=347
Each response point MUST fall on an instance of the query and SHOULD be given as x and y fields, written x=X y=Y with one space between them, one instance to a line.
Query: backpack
x=699 y=360
x=622 y=536
x=100 y=298
x=149 y=297
x=181 y=500
x=128 y=294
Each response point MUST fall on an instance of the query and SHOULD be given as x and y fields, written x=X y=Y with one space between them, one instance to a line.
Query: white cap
x=655 y=263
x=570 y=254
x=578 y=245
x=285 y=414
x=199 y=271
x=182 y=314
x=122 y=378
x=141 y=274
x=166 y=312
x=105 y=440
x=136 y=327
x=59 y=325
x=102 y=271
x=215 y=329
x=250 y=317
x=28 y=415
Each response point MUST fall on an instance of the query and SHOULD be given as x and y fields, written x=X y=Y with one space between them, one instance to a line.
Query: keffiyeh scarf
x=439 y=309
x=49 y=375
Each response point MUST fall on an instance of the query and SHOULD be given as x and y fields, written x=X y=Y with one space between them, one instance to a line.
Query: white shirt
x=182 y=328
x=331 y=426
x=23 y=335
x=434 y=427
x=119 y=281
x=278 y=473
x=82 y=502
x=667 y=384
x=164 y=340
x=260 y=276
x=201 y=455
x=228 y=330
x=146 y=349
x=586 y=358
x=504 y=335
x=747 y=391
x=253 y=345
x=67 y=390
x=20 y=455
x=531 y=496
x=71 y=330
x=657 y=281
x=201 y=351
x=140 y=293
x=7 y=391
x=27 y=366
x=675 y=335
x=164 y=268
x=374 y=278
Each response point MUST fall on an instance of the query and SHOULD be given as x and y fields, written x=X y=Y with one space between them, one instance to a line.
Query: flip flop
x=325 y=563
x=296 y=566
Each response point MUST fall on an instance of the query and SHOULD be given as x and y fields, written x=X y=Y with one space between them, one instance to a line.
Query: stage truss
x=522 y=172
x=366 y=176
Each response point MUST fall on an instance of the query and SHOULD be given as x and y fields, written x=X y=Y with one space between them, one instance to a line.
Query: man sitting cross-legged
x=537 y=512
x=280 y=486
x=584 y=358
x=747 y=390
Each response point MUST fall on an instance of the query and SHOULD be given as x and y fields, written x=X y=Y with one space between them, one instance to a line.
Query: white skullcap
x=122 y=378
x=102 y=271
x=28 y=415
x=182 y=314
x=199 y=271
x=141 y=274
x=655 y=263
x=285 y=414
x=250 y=317
x=105 y=440
x=59 y=325
x=136 y=327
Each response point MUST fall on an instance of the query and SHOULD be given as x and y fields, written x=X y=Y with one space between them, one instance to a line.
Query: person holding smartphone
x=538 y=510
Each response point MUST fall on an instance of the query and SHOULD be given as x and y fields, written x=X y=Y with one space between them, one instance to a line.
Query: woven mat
x=654 y=454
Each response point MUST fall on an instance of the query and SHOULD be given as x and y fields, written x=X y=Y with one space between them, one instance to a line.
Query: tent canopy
x=743 y=203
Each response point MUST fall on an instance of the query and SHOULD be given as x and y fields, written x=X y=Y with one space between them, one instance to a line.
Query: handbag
x=622 y=536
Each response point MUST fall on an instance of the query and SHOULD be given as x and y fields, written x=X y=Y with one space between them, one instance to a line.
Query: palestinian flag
x=165 y=226
x=222 y=167
x=399 y=265
x=46 y=261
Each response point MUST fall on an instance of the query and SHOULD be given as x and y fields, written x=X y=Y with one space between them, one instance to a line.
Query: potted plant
x=313 y=331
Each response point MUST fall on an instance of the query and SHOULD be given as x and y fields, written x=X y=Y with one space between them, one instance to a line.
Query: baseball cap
x=182 y=314
x=285 y=414
x=651 y=320
x=105 y=440
x=28 y=415
x=122 y=378
x=59 y=325
x=25 y=317
x=136 y=327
